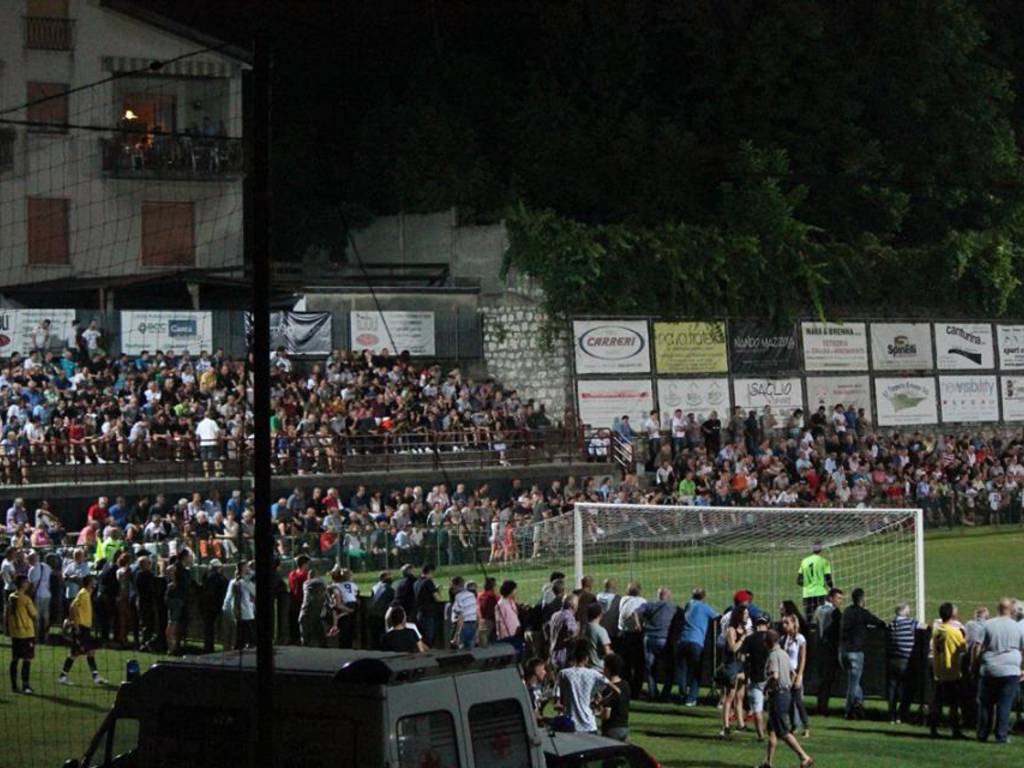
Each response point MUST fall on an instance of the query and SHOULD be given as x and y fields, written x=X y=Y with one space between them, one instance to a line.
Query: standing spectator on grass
x=778 y=677
x=595 y=634
x=974 y=631
x=506 y=618
x=631 y=637
x=240 y=605
x=428 y=595
x=21 y=628
x=39 y=576
x=615 y=699
x=697 y=618
x=795 y=646
x=211 y=602
x=382 y=595
x=829 y=620
x=486 y=602
x=296 y=579
x=311 y=623
x=578 y=685
x=464 y=615
x=948 y=649
x=898 y=649
x=857 y=620
x=146 y=602
x=563 y=632
x=656 y=619
x=1002 y=667
x=755 y=652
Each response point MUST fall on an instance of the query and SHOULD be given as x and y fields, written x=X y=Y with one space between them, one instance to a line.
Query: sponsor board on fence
x=963 y=346
x=395 y=331
x=603 y=402
x=901 y=346
x=1012 y=393
x=20 y=330
x=969 y=398
x=690 y=347
x=755 y=347
x=783 y=395
x=300 y=333
x=835 y=346
x=1010 y=339
x=697 y=396
x=903 y=401
x=168 y=330
x=831 y=391
x=611 y=346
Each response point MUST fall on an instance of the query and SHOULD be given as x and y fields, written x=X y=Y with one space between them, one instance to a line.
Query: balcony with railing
x=45 y=33
x=7 y=138
x=172 y=157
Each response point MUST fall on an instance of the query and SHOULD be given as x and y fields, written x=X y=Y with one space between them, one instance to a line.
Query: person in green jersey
x=815 y=576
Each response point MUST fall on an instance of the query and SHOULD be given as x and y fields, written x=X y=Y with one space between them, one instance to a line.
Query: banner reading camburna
x=1010 y=339
x=831 y=391
x=901 y=346
x=835 y=346
x=611 y=346
x=1012 y=390
x=690 y=348
x=697 y=396
x=603 y=402
x=906 y=401
x=783 y=395
x=397 y=332
x=755 y=347
x=964 y=345
x=168 y=330
x=21 y=330
x=969 y=398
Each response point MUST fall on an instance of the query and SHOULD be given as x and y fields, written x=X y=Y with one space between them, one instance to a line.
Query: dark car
x=579 y=750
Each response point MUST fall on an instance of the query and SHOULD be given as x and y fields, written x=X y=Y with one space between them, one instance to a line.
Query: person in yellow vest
x=82 y=644
x=21 y=627
x=948 y=648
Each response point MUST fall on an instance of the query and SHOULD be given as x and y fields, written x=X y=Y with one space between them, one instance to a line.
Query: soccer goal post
x=724 y=549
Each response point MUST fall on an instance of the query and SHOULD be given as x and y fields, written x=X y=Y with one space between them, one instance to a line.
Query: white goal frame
x=918 y=517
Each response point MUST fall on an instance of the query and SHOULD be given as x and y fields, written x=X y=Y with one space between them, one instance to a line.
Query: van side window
x=427 y=739
x=200 y=737
x=498 y=733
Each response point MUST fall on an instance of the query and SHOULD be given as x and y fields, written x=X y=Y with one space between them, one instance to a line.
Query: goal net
x=724 y=549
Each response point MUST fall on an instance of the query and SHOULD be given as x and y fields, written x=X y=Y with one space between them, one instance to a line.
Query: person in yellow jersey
x=815 y=576
x=21 y=628
x=948 y=648
x=82 y=644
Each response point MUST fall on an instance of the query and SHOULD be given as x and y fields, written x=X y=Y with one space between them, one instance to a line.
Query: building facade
x=120 y=146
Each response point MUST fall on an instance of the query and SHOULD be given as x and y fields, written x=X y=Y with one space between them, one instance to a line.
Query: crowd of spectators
x=83 y=406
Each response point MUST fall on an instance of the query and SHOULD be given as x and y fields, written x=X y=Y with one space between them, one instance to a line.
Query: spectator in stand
x=856 y=621
x=949 y=647
x=1002 y=667
x=899 y=647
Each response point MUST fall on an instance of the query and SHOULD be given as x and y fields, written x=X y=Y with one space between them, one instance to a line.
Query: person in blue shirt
x=119 y=512
x=625 y=430
x=697 y=617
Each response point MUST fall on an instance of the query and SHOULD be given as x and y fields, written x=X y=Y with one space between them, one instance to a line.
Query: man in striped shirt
x=899 y=647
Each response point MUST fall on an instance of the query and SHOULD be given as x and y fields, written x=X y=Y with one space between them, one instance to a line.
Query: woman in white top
x=239 y=604
x=795 y=646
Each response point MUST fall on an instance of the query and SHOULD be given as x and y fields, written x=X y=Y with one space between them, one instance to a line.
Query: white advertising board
x=1012 y=391
x=906 y=401
x=783 y=395
x=603 y=402
x=901 y=346
x=611 y=346
x=174 y=331
x=17 y=329
x=964 y=346
x=1010 y=339
x=835 y=346
x=396 y=332
x=831 y=391
x=697 y=396
x=969 y=398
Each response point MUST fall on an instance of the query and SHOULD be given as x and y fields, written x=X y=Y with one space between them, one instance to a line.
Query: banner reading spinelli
x=756 y=347
x=690 y=347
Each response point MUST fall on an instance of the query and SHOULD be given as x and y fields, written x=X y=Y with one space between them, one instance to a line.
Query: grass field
x=967 y=566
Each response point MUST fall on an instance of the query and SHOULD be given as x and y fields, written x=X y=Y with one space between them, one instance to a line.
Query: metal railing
x=47 y=33
x=143 y=156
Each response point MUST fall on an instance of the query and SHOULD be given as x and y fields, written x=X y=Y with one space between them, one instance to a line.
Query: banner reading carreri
x=690 y=347
x=611 y=346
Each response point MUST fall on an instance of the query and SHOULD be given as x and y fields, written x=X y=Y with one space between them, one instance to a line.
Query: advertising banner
x=1012 y=390
x=901 y=346
x=697 y=396
x=21 y=331
x=690 y=348
x=611 y=346
x=904 y=401
x=396 y=332
x=969 y=398
x=964 y=345
x=173 y=331
x=602 y=403
x=1010 y=339
x=835 y=346
x=783 y=395
x=300 y=333
x=758 y=348
x=831 y=391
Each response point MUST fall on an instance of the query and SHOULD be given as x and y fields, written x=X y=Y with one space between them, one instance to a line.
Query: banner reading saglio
x=690 y=347
x=174 y=331
x=611 y=346
x=603 y=402
x=783 y=395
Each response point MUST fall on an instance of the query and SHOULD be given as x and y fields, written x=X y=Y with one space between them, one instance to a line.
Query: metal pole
x=919 y=563
x=264 y=537
x=577 y=524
